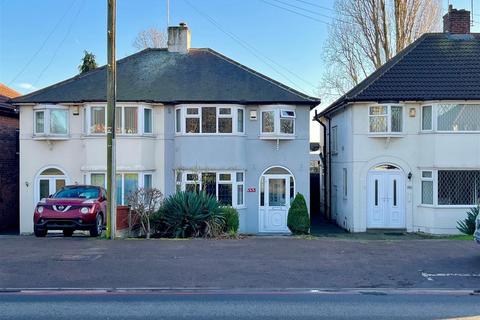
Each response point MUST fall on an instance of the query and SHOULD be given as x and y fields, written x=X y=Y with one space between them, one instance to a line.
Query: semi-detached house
x=187 y=119
x=404 y=145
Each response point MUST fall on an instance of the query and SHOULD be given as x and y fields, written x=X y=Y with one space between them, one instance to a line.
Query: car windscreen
x=78 y=192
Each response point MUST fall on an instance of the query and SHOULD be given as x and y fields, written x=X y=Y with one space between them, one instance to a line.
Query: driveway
x=252 y=263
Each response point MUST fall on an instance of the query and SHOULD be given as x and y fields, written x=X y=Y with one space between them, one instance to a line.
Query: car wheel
x=40 y=232
x=97 y=229
x=68 y=232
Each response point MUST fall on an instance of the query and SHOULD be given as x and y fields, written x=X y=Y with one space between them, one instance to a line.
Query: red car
x=72 y=208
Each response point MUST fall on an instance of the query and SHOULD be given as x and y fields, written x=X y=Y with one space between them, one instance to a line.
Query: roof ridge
x=260 y=75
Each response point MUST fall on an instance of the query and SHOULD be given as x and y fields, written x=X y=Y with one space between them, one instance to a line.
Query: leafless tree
x=144 y=203
x=367 y=33
x=150 y=38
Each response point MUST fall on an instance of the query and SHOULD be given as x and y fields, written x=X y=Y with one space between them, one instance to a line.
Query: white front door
x=386 y=199
x=276 y=202
x=48 y=185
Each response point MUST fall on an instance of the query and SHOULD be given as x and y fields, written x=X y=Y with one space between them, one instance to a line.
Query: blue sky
x=42 y=42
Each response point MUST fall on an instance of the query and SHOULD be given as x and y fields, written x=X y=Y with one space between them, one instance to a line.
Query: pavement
x=251 y=305
x=250 y=263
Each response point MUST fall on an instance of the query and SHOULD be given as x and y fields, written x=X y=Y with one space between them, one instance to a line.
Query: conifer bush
x=298 y=220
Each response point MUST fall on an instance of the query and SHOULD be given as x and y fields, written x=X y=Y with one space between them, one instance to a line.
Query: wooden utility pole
x=111 y=101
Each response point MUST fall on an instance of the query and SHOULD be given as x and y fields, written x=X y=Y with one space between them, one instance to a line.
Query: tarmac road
x=239 y=305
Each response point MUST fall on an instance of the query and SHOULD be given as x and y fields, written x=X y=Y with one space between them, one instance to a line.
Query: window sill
x=432 y=206
x=51 y=137
x=386 y=135
x=178 y=134
x=276 y=137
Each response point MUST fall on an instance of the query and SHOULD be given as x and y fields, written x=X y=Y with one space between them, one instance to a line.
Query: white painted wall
x=413 y=151
x=81 y=154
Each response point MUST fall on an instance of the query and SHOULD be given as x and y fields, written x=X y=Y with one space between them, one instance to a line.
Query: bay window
x=51 y=121
x=277 y=121
x=451 y=187
x=126 y=183
x=226 y=187
x=129 y=120
x=385 y=119
x=209 y=120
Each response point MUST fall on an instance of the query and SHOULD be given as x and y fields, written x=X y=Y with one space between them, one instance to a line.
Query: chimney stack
x=456 y=21
x=179 y=38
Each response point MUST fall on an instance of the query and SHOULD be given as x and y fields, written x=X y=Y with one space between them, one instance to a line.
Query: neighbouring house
x=9 y=220
x=188 y=119
x=404 y=145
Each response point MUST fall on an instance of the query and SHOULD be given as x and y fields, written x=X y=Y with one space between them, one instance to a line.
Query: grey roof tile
x=156 y=75
x=437 y=66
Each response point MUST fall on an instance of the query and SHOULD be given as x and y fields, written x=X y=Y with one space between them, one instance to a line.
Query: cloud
x=27 y=86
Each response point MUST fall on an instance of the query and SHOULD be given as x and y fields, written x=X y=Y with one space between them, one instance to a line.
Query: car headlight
x=39 y=209
x=85 y=210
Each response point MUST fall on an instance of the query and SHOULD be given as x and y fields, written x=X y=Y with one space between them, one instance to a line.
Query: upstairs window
x=51 y=121
x=278 y=122
x=458 y=117
x=385 y=119
x=127 y=120
x=209 y=120
x=427 y=118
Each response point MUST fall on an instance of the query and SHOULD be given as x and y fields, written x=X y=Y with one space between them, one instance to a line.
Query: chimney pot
x=179 y=38
x=456 y=21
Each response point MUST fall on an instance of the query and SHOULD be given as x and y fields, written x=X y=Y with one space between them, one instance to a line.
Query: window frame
x=140 y=178
x=183 y=181
x=234 y=115
x=388 y=115
x=140 y=119
x=278 y=115
x=428 y=179
x=46 y=110
x=435 y=180
x=334 y=140
x=432 y=120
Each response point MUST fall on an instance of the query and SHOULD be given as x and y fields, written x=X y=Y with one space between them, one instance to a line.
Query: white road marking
x=431 y=276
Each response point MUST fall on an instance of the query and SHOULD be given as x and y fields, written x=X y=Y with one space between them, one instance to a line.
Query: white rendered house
x=404 y=145
x=184 y=116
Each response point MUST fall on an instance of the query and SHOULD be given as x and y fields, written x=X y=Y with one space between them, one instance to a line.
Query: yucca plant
x=467 y=226
x=191 y=214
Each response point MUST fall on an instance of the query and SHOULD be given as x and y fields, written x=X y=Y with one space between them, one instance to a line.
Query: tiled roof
x=156 y=75
x=8 y=92
x=437 y=66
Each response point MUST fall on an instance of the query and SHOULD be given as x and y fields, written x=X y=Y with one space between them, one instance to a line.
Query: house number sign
x=251 y=189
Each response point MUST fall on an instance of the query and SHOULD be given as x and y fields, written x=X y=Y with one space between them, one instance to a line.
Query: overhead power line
x=296 y=12
x=43 y=43
x=264 y=58
x=69 y=29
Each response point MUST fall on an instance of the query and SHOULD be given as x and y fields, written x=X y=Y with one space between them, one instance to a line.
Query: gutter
x=325 y=166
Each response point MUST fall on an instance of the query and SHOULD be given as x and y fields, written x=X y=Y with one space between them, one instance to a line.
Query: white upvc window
x=51 y=120
x=129 y=120
x=385 y=119
x=209 y=119
x=450 y=188
x=427 y=118
x=228 y=187
x=427 y=187
x=277 y=121
x=126 y=182
x=334 y=140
